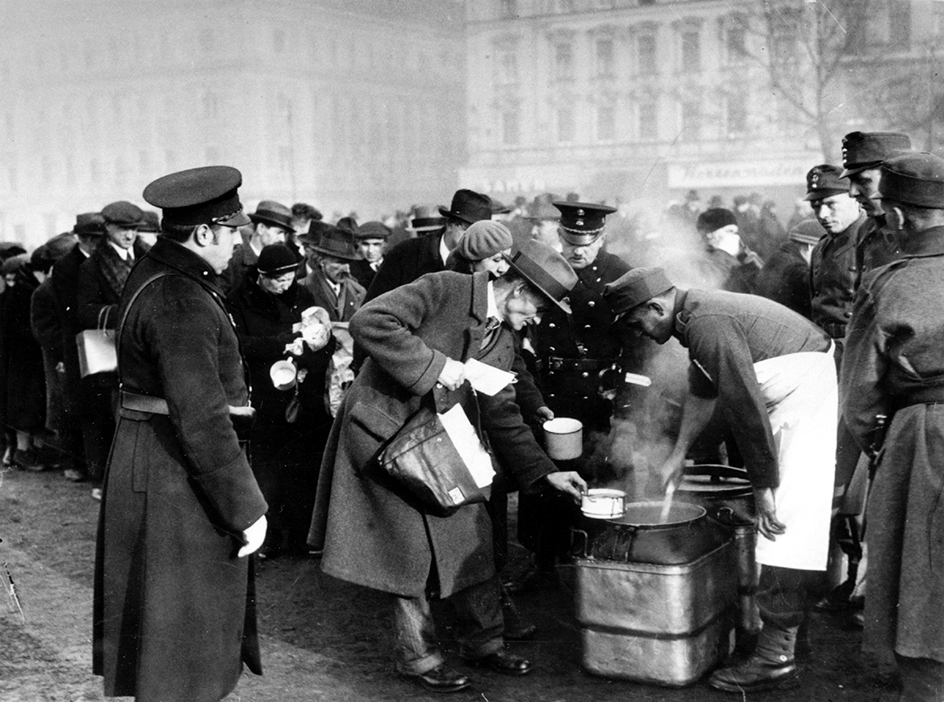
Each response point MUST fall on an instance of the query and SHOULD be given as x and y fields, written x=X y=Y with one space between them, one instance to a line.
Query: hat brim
x=335 y=254
x=255 y=218
x=455 y=215
x=563 y=304
x=281 y=270
x=858 y=168
x=576 y=239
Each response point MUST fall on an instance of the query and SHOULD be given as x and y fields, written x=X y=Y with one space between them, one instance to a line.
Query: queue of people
x=265 y=361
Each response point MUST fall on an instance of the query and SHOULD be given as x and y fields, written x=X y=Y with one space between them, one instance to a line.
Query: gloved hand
x=254 y=535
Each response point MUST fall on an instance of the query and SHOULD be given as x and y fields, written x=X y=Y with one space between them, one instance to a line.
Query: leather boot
x=772 y=664
x=516 y=629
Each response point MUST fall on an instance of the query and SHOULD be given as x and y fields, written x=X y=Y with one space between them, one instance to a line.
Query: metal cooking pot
x=724 y=491
x=639 y=536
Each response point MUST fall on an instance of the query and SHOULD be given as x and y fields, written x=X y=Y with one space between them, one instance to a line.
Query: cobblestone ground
x=323 y=639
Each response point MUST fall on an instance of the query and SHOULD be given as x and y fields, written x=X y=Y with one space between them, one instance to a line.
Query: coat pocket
x=369 y=429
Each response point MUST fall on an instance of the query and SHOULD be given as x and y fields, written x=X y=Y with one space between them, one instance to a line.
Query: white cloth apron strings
x=801 y=394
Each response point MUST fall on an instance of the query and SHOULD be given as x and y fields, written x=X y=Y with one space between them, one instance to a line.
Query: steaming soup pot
x=639 y=536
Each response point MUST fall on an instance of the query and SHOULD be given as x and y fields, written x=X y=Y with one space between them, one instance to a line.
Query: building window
x=735 y=45
x=606 y=123
x=736 y=115
x=648 y=128
x=691 y=51
x=566 y=125
x=564 y=61
x=691 y=120
x=508 y=9
x=605 y=58
x=510 y=127
x=507 y=73
x=646 y=54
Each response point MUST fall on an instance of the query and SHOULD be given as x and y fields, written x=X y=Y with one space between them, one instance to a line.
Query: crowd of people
x=264 y=362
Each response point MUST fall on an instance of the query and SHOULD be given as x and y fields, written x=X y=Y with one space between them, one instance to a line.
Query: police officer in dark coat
x=893 y=366
x=575 y=354
x=174 y=614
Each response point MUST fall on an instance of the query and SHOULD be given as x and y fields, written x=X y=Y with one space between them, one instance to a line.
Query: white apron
x=801 y=395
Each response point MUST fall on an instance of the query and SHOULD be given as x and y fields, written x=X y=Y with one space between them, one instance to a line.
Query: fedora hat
x=337 y=243
x=469 y=207
x=89 y=224
x=274 y=214
x=425 y=219
x=546 y=270
x=315 y=229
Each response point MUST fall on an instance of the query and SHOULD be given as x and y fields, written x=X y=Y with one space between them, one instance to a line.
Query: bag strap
x=124 y=317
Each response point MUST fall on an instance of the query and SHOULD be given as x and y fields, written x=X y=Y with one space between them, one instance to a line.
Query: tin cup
x=603 y=503
x=283 y=375
x=563 y=438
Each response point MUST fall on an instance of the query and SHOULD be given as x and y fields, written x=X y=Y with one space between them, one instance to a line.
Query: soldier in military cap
x=893 y=368
x=579 y=358
x=271 y=224
x=862 y=156
x=181 y=510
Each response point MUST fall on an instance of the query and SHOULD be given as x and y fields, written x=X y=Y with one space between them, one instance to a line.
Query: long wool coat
x=372 y=533
x=893 y=360
x=174 y=614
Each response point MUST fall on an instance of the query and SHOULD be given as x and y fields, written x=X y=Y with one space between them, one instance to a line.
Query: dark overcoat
x=24 y=391
x=372 y=534
x=406 y=262
x=785 y=278
x=47 y=329
x=834 y=275
x=893 y=366
x=340 y=307
x=98 y=290
x=174 y=616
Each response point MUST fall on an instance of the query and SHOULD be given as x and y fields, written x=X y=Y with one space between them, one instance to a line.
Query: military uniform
x=894 y=367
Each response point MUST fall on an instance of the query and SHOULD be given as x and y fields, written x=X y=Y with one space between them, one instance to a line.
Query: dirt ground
x=324 y=639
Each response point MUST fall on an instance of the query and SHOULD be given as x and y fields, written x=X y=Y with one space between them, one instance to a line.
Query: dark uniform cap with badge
x=582 y=223
x=123 y=214
x=635 y=287
x=274 y=214
x=546 y=270
x=206 y=195
x=825 y=181
x=89 y=224
x=864 y=150
x=914 y=179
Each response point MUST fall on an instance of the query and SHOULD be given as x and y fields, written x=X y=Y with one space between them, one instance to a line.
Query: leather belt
x=143 y=403
x=556 y=363
x=836 y=330
x=927 y=395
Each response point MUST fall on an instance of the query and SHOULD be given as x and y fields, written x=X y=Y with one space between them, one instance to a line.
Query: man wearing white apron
x=772 y=375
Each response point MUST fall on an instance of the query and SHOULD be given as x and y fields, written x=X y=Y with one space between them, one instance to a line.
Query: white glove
x=254 y=536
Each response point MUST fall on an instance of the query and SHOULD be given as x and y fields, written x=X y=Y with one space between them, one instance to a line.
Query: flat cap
x=89 y=224
x=582 y=223
x=862 y=150
x=809 y=231
x=205 y=195
x=483 y=239
x=635 y=287
x=124 y=214
x=276 y=259
x=273 y=213
x=824 y=181
x=372 y=230
x=713 y=219
x=151 y=222
x=915 y=178
x=546 y=270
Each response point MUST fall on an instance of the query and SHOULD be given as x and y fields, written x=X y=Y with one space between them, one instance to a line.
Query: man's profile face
x=863 y=186
x=524 y=308
x=581 y=256
x=648 y=320
x=219 y=250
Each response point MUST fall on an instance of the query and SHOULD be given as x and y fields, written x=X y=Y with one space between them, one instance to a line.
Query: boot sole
x=785 y=682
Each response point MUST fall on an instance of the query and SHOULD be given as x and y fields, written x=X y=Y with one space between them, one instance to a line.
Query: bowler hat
x=915 y=178
x=483 y=239
x=469 y=207
x=635 y=287
x=809 y=231
x=205 y=195
x=372 y=230
x=276 y=259
x=123 y=214
x=425 y=219
x=546 y=270
x=582 y=223
x=336 y=243
x=89 y=224
x=863 y=150
x=825 y=180
x=275 y=214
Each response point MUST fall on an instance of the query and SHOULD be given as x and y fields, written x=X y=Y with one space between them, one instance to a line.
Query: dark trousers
x=479 y=627
x=785 y=595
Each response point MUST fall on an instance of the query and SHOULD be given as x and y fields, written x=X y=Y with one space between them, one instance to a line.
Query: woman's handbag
x=424 y=458
x=97 y=352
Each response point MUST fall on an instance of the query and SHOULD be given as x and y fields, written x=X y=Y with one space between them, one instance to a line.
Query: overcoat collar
x=930 y=242
x=182 y=259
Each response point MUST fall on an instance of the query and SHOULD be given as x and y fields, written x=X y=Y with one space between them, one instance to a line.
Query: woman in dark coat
x=284 y=455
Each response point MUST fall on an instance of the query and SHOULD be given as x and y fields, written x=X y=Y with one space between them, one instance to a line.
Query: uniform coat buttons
x=591 y=303
x=585 y=374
